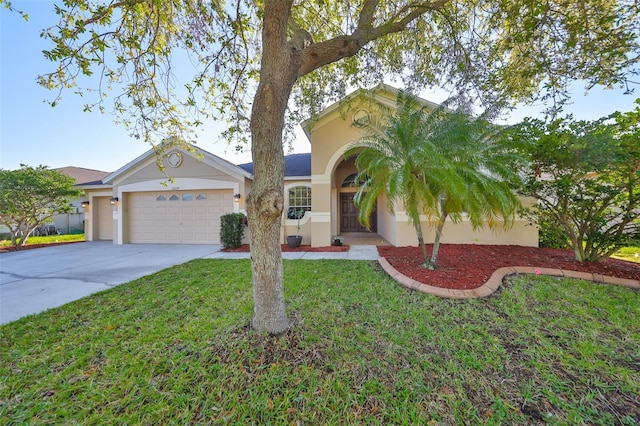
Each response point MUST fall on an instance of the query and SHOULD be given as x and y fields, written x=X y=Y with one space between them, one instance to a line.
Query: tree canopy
x=586 y=178
x=185 y=61
x=31 y=196
x=261 y=64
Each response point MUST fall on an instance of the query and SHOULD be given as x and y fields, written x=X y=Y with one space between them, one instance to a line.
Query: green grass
x=631 y=254
x=48 y=239
x=174 y=348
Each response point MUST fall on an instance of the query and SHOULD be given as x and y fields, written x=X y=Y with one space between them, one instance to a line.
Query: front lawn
x=48 y=239
x=174 y=347
x=630 y=254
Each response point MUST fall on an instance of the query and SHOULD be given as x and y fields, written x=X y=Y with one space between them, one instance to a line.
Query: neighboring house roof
x=83 y=176
x=295 y=165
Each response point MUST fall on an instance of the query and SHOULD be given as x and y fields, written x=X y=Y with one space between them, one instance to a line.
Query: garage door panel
x=202 y=238
x=178 y=217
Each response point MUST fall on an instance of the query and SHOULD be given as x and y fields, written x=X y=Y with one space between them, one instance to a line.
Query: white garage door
x=177 y=217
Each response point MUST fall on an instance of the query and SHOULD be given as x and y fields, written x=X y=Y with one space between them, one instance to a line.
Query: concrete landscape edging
x=493 y=283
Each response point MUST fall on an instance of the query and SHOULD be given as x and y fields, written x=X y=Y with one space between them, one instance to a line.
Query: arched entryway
x=345 y=179
x=349 y=212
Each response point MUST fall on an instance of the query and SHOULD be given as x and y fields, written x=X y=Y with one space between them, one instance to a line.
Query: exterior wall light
x=236 y=197
x=84 y=204
x=113 y=200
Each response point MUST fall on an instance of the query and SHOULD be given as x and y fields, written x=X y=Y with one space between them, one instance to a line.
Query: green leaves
x=30 y=196
x=586 y=178
x=437 y=163
x=493 y=52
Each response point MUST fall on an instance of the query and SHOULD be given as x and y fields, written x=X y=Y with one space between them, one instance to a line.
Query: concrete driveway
x=33 y=281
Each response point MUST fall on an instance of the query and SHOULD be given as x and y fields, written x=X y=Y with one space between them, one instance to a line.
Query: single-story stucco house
x=138 y=204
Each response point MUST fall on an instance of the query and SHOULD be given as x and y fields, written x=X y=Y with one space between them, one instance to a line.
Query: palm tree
x=442 y=164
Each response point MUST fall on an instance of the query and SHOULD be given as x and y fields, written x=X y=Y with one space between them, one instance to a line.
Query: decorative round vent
x=360 y=117
x=174 y=159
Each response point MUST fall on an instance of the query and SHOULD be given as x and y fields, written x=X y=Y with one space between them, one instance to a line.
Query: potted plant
x=294 y=241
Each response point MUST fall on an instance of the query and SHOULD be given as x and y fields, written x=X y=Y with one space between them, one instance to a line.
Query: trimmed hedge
x=232 y=229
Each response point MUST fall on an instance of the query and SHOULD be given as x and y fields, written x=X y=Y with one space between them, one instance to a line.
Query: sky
x=34 y=133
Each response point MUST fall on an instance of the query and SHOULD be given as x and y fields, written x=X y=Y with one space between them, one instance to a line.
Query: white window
x=299 y=201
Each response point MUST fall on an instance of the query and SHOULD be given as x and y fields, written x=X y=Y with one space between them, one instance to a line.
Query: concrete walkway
x=354 y=253
x=32 y=281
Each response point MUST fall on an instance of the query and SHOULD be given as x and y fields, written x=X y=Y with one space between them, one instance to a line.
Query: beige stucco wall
x=521 y=234
x=289 y=227
x=328 y=138
x=331 y=136
x=189 y=168
x=192 y=174
x=91 y=214
x=387 y=228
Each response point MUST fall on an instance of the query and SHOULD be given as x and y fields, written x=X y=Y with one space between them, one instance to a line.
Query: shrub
x=586 y=176
x=551 y=234
x=232 y=229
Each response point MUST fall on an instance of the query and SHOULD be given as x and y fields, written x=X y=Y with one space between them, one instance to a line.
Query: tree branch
x=112 y=6
x=317 y=55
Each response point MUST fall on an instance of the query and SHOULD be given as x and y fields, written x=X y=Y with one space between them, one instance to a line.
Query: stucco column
x=320 y=213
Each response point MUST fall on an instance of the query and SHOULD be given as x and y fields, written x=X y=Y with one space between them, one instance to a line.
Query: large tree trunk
x=278 y=74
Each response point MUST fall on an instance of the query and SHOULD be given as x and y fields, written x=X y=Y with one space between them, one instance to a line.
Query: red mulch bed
x=35 y=246
x=285 y=248
x=467 y=266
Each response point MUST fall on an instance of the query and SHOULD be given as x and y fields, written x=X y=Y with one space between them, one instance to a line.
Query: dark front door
x=349 y=216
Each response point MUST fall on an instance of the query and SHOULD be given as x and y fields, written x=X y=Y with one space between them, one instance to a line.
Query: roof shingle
x=295 y=165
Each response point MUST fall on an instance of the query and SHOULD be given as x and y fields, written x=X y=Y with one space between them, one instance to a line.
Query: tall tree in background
x=256 y=63
x=30 y=196
x=441 y=164
x=585 y=176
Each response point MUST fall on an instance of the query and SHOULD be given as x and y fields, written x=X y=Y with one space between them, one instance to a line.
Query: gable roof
x=82 y=175
x=295 y=165
x=376 y=93
x=190 y=149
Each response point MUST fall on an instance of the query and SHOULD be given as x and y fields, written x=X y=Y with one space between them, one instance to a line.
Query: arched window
x=299 y=201
x=350 y=181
